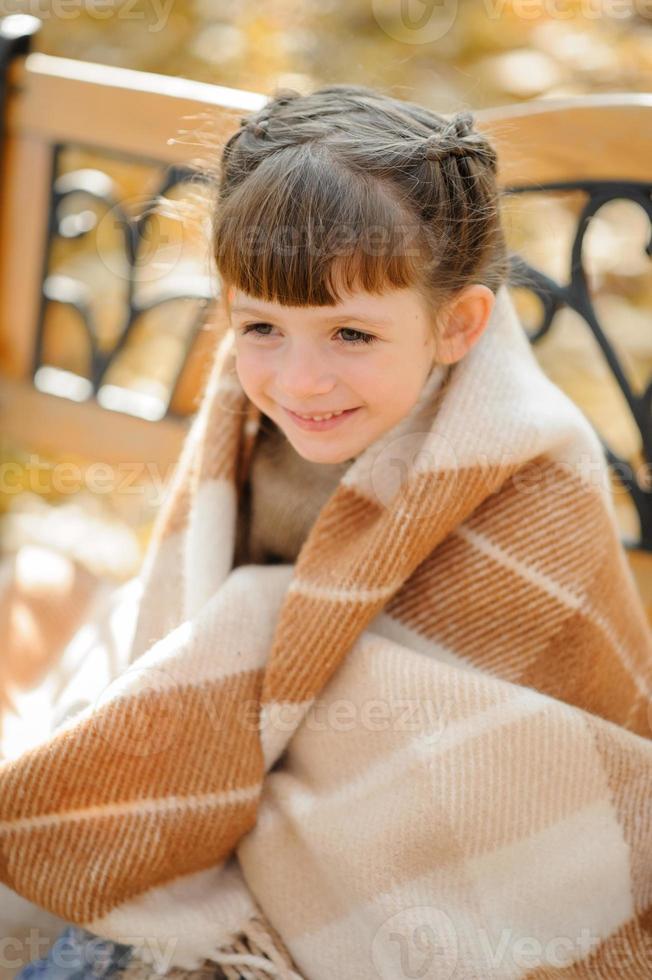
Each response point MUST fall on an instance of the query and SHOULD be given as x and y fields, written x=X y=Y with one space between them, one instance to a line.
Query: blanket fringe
x=255 y=952
x=261 y=948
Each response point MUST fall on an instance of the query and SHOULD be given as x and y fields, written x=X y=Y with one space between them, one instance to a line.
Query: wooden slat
x=134 y=112
x=24 y=193
x=588 y=137
x=38 y=422
x=604 y=136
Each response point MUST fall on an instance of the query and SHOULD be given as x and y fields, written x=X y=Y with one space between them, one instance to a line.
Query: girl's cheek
x=250 y=366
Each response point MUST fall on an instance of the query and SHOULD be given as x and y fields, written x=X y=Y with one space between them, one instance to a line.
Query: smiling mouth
x=321 y=422
x=318 y=416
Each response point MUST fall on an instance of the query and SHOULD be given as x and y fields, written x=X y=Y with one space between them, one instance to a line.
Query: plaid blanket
x=422 y=749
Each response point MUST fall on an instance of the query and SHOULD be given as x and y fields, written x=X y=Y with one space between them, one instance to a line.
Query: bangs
x=302 y=231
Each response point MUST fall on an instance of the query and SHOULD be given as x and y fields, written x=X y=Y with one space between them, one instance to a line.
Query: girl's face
x=368 y=356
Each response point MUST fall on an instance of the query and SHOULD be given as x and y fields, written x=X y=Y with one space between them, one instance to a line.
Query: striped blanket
x=421 y=750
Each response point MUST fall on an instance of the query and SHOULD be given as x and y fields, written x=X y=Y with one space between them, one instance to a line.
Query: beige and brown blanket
x=421 y=750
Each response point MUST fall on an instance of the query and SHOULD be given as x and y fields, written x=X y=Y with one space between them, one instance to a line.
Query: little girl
x=374 y=264
x=359 y=244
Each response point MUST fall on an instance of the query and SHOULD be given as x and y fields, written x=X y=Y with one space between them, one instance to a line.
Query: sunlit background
x=476 y=52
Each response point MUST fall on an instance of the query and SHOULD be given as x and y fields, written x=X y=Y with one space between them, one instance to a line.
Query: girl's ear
x=463 y=323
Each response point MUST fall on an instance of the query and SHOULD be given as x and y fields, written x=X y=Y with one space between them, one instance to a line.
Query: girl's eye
x=253 y=328
x=361 y=338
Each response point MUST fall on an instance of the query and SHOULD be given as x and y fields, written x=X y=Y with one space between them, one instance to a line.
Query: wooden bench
x=60 y=114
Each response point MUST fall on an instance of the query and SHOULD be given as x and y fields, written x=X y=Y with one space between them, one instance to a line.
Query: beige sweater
x=282 y=498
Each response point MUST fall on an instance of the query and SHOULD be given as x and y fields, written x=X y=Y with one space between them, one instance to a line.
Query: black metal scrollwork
x=96 y=185
x=576 y=295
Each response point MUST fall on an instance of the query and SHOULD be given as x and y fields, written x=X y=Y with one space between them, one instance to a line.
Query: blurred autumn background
x=479 y=52
x=474 y=54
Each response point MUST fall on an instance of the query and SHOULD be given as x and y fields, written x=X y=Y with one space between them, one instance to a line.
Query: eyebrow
x=332 y=318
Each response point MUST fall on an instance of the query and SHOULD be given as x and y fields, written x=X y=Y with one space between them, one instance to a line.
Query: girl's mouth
x=313 y=425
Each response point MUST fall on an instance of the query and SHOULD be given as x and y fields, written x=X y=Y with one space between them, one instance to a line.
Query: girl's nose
x=303 y=374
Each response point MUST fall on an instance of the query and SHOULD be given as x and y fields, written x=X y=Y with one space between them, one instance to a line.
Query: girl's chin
x=321 y=454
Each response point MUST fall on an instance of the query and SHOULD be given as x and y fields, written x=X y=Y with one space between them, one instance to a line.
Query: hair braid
x=335 y=190
x=458 y=139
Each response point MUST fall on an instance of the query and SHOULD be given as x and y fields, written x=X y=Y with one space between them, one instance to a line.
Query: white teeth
x=319 y=418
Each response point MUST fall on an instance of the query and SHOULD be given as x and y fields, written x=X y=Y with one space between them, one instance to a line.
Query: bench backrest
x=595 y=145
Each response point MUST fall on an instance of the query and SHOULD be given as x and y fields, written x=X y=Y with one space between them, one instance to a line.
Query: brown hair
x=350 y=188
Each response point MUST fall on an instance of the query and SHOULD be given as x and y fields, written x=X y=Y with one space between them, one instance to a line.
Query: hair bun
x=283 y=96
x=258 y=122
x=459 y=139
x=257 y=126
x=462 y=124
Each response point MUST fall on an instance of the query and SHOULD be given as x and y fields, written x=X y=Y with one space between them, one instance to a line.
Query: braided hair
x=349 y=188
x=458 y=139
